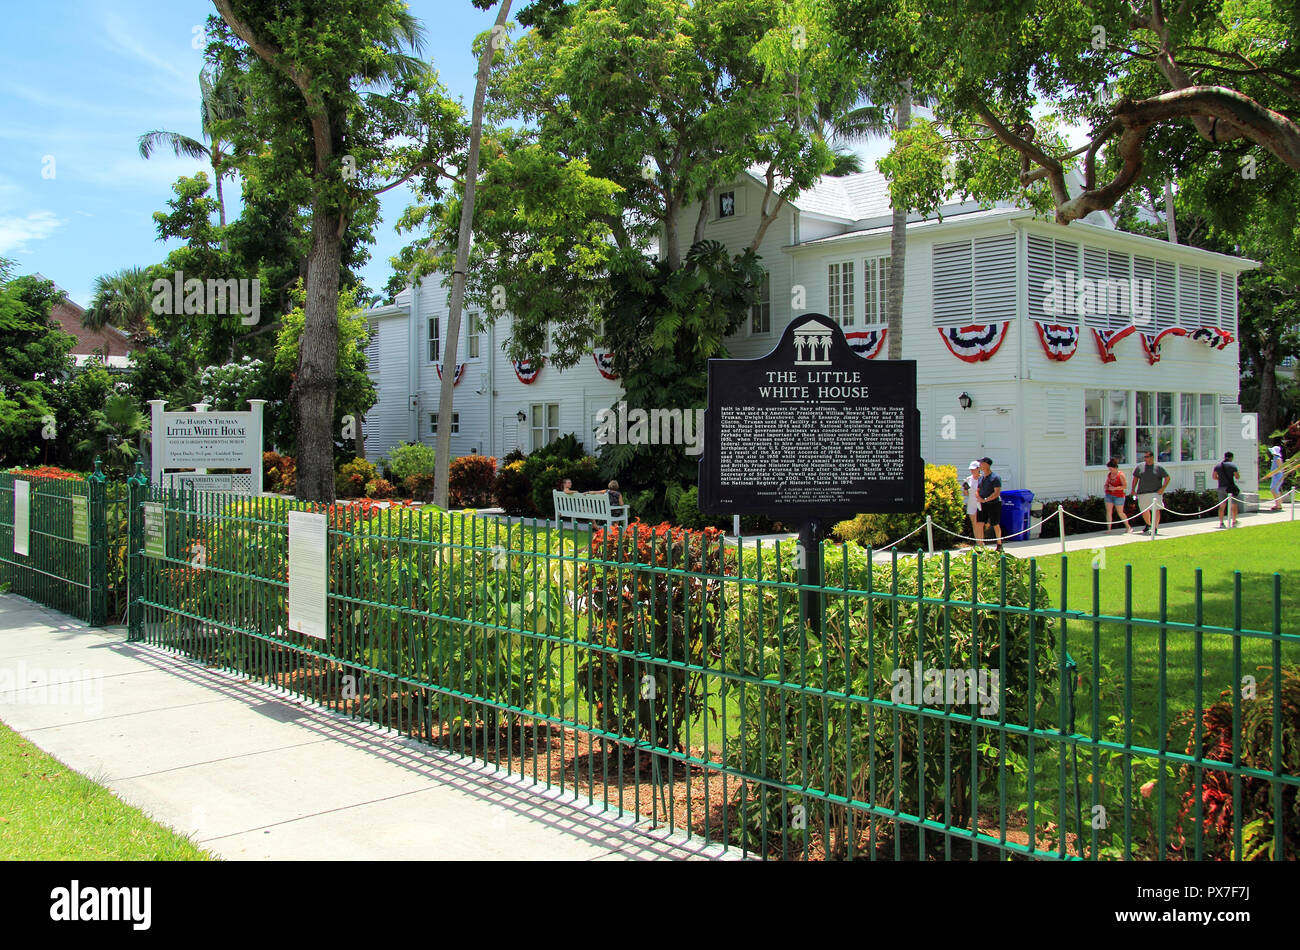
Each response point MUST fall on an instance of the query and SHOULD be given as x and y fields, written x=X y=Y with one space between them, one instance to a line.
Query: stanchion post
x=929 y=532
x=1060 y=525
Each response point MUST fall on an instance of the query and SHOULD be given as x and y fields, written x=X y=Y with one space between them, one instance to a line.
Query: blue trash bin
x=1015 y=513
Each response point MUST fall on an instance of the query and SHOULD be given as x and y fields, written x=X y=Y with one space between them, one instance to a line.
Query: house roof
x=107 y=341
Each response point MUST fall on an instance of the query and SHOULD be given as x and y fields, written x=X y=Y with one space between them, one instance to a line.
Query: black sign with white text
x=811 y=430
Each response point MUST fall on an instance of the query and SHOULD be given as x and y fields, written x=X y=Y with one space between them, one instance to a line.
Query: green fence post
x=98 y=516
x=138 y=487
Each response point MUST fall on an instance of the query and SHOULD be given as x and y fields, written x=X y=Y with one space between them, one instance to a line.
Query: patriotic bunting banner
x=1060 y=341
x=867 y=343
x=527 y=370
x=975 y=343
x=1150 y=347
x=1212 y=337
x=605 y=363
x=460 y=371
x=1106 y=340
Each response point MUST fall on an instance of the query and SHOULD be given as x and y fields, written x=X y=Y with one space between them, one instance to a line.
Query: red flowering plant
x=1260 y=836
x=47 y=471
x=653 y=591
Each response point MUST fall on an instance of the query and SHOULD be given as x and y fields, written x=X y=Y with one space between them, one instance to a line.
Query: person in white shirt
x=970 y=488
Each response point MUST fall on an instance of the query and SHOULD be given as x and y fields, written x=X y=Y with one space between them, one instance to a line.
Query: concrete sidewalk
x=252 y=774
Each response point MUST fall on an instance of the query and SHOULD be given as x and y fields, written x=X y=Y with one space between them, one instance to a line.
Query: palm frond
x=179 y=144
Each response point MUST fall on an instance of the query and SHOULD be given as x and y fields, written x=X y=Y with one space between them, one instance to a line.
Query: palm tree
x=117 y=427
x=122 y=300
x=222 y=99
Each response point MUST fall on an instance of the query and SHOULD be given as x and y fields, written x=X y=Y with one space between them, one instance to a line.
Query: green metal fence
x=954 y=706
x=77 y=544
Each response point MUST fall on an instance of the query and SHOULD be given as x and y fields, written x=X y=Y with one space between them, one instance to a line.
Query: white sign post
x=201 y=440
x=22 y=517
x=308 y=573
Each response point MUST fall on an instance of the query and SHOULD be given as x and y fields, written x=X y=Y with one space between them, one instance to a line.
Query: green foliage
x=33 y=357
x=411 y=458
x=512 y=490
x=75 y=400
x=469 y=481
x=687 y=512
x=352 y=478
x=863 y=643
x=584 y=472
x=379 y=488
x=943 y=503
x=115 y=429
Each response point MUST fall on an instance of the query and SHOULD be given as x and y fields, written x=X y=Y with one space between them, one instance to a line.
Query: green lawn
x=1256 y=553
x=49 y=812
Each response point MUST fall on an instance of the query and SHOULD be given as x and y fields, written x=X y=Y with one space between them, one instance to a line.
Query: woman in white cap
x=1275 y=476
x=970 y=488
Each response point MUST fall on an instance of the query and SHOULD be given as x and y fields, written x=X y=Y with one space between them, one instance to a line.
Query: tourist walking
x=1115 y=491
x=1149 y=483
x=990 y=495
x=1225 y=473
x=1275 y=475
x=970 y=491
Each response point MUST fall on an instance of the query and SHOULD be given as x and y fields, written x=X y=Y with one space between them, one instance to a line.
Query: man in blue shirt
x=990 y=494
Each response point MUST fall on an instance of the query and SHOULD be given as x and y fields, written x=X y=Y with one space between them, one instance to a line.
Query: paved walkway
x=251 y=774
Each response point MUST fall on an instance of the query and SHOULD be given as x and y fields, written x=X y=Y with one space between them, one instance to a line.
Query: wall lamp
x=965 y=401
x=521 y=415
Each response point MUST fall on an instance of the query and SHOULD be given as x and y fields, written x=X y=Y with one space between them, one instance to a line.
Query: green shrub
x=419 y=486
x=414 y=458
x=584 y=471
x=352 y=477
x=863 y=642
x=687 y=512
x=379 y=488
x=469 y=482
x=943 y=502
x=512 y=490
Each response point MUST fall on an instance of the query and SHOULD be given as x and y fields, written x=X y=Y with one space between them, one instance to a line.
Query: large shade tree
x=1155 y=88
x=341 y=110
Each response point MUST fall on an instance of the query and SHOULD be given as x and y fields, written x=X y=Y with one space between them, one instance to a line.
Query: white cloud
x=15 y=232
x=179 y=60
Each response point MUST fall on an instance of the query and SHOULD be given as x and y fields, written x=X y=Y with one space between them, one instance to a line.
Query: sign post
x=810 y=434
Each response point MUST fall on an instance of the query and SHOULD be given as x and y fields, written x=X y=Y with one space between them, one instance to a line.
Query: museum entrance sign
x=200 y=440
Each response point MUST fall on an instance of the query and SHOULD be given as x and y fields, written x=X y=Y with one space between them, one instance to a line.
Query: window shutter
x=952 y=269
x=1054 y=418
x=1041 y=273
x=1209 y=298
x=1228 y=302
x=1189 y=316
x=1165 y=305
x=1119 y=309
x=1094 y=268
x=995 y=278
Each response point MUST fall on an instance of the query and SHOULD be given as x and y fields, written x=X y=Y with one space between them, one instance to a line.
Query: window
x=760 y=312
x=839 y=301
x=727 y=204
x=455 y=423
x=545 y=418
x=434 y=340
x=1105 y=426
x=475 y=328
x=1155 y=424
x=875 y=276
x=1198 y=419
x=974 y=281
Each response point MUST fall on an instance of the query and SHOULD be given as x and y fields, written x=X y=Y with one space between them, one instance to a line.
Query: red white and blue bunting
x=867 y=343
x=1212 y=337
x=527 y=370
x=1060 y=340
x=605 y=363
x=460 y=372
x=975 y=343
x=1150 y=347
x=1106 y=340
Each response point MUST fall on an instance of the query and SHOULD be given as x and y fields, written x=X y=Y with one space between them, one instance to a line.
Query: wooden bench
x=588 y=507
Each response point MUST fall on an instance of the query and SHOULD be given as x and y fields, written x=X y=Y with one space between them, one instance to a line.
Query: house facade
x=1048 y=348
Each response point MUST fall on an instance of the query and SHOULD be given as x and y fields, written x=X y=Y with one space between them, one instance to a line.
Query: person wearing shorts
x=1115 y=492
x=1275 y=474
x=1225 y=473
x=970 y=486
x=1149 y=483
x=990 y=494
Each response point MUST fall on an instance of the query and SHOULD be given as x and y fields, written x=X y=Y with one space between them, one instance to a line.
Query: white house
x=1047 y=348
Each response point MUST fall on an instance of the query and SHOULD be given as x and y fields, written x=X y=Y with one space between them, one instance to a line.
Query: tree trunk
x=1268 y=399
x=898 y=246
x=442 y=457
x=318 y=356
x=1170 y=223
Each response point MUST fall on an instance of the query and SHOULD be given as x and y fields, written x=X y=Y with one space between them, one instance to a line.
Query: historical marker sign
x=811 y=431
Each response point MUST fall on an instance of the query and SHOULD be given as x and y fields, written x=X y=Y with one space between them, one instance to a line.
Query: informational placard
x=308 y=573
x=226 y=483
x=209 y=440
x=22 y=517
x=155 y=530
x=812 y=430
x=80 y=519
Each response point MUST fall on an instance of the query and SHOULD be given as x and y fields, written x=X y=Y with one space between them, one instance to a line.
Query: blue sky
x=80 y=80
